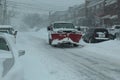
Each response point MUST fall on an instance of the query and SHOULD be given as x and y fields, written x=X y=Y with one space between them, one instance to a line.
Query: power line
x=24 y=5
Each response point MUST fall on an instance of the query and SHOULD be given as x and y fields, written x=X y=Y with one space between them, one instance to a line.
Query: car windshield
x=63 y=25
x=117 y=27
x=100 y=30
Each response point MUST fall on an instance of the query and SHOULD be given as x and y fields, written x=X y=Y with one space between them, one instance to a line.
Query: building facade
x=112 y=12
x=103 y=12
x=93 y=13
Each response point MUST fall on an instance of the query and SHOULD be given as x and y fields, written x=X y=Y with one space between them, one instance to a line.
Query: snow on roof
x=109 y=2
x=5 y=26
x=94 y=3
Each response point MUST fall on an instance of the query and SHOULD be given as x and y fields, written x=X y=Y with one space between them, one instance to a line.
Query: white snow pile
x=109 y=49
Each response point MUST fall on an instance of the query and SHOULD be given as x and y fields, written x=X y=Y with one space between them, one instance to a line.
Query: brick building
x=103 y=12
x=94 y=11
x=112 y=12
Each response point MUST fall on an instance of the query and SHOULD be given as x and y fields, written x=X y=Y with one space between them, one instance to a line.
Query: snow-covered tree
x=32 y=20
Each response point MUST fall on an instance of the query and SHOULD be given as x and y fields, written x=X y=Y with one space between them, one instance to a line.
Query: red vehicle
x=63 y=33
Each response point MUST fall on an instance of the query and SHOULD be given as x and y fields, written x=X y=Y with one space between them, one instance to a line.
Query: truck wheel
x=50 y=41
x=115 y=35
x=75 y=45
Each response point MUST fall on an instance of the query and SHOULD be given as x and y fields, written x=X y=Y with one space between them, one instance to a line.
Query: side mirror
x=78 y=28
x=21 y=52
x=15 y=33
x=49 y=28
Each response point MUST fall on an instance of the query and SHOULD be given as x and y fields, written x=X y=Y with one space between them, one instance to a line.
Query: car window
x=3 y=31
x=101 y=30
x=3 y=45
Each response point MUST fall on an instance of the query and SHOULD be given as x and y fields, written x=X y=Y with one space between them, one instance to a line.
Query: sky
x=49 y=5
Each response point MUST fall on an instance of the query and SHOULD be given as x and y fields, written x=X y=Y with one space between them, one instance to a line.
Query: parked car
x=9 y=59
x=63 y=33
x=8 y=29
x=94 y=35
x=115 y=30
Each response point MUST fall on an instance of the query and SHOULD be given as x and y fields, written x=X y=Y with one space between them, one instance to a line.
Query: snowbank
x=41 y=64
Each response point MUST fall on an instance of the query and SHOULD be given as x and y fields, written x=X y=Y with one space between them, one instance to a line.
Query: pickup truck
x=63 y=33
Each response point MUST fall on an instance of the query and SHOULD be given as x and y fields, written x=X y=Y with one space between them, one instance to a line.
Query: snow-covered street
x=59 y=39
x=86 y=62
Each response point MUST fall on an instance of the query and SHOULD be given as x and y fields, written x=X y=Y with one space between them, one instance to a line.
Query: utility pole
x=86 y=12
x=0 y=12
x=118 y=10
x=50 y=17
x=4 y=12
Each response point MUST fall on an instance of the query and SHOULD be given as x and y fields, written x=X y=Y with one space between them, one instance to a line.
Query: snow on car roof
x=6 y=26
x=61 y=22
x=8 y=37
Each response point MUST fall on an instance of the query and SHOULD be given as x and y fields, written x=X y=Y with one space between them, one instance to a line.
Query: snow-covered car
x=10 y=67
x=115 y=30
x=63 y=33
x=8 y=29
x=94 y=35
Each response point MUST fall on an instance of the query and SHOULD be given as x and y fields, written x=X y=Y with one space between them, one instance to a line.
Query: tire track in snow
x=44 y=44
x=67 y=58
x=86 y=70
x=82 y=68
x=102 y=66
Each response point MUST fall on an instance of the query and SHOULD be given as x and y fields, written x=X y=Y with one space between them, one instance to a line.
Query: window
x=3 y=45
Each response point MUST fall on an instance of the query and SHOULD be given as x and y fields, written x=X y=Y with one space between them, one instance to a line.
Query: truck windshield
x=7 y=30
x=3 y=31
x=63 y=25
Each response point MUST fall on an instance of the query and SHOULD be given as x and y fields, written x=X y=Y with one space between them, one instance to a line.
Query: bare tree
x=32 y=20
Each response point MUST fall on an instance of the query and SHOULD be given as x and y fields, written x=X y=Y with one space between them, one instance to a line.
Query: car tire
x=115 y=35
x=111 y=37
x=84 y=39
x=50 y=41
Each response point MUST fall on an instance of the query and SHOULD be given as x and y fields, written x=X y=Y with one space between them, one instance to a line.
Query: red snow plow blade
x=66 y=38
